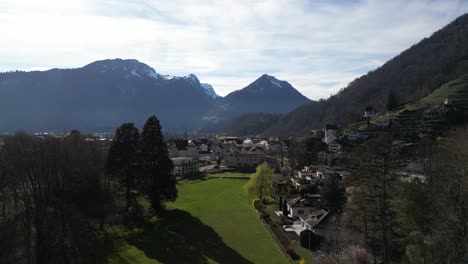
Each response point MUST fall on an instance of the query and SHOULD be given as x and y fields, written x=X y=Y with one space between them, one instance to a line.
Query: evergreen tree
x=156 y=165
x=310 y=240
x=122 y=159
x=285 y=207
x=333 y=194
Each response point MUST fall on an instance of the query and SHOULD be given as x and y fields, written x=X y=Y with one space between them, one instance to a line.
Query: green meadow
x=212 y=221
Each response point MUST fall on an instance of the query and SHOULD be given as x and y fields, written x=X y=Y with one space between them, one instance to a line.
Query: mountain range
x=103 y=94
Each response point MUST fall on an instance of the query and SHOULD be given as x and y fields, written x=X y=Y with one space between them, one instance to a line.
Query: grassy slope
x=456 y=90
x=211 y=222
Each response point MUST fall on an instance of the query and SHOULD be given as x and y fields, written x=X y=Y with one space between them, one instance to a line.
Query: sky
x=317 y=46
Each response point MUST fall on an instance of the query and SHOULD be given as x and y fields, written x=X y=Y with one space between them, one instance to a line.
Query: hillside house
x=370 y=112
x=202 y=149
x=302 y=206
x=330 y=133
x=314 y=218
x=177 y=148
x=304 y=179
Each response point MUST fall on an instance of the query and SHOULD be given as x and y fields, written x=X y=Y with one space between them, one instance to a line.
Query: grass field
x=212 y=221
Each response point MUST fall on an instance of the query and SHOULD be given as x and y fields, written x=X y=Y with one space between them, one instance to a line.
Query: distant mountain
x=410 y=76
x=265 y=95
x=209 y=90
x=99 y=97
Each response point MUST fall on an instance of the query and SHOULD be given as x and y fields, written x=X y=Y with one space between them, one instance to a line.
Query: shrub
x=290 y=251
x=257 y=204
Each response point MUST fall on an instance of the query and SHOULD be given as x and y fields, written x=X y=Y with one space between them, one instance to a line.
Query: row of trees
x=418 y=220
x=58 y=194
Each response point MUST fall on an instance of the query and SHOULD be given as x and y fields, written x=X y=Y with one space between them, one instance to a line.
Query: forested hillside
x=251 y=124
x=411 y=75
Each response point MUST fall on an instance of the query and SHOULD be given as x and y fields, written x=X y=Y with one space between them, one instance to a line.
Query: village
x=311 y=175
x=297 y=203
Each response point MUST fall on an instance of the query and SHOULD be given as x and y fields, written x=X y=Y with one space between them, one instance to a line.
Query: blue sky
x=317 y=46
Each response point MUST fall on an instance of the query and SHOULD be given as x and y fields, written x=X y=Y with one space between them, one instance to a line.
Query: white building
x=302 y=206
x=184 y=166
x=313 y=219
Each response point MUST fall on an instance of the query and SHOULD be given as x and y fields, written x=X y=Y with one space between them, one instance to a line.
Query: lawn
x=212 y=221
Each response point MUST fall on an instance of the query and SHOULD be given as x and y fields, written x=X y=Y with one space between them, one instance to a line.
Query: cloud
x=318 y=46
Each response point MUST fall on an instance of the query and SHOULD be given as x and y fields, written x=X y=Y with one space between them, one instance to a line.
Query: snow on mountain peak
x=273 y=80
x=133 y=69
x=129 y=68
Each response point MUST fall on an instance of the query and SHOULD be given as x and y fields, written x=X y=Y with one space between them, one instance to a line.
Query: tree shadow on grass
x=179 y=237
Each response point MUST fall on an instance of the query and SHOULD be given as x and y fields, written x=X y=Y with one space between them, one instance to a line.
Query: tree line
x=58 y=194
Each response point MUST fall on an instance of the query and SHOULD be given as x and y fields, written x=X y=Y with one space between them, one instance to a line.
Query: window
x=300 y=211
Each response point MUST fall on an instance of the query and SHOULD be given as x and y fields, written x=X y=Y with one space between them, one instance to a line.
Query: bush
x=310 y=240
x=291 y=253
x=257 y=204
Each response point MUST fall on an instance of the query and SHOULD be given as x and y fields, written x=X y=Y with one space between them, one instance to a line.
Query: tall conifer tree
x=122 y=159
x=157 y=166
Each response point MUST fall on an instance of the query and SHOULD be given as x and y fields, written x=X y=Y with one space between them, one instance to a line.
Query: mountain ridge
x=100 y=95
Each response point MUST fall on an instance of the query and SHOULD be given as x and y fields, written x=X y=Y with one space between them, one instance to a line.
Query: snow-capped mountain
x=131 y=68
x=100 y=96
x=104 y=94
x=126 y=68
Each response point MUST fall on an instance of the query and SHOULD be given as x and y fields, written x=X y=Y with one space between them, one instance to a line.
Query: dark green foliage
x=414 y=206
x=157 y=166
x=250 y=124
x=304 y=152
x=333 y=194
x=285 y=208
x=391 y=102
x=122 y=161
x=310 y=240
